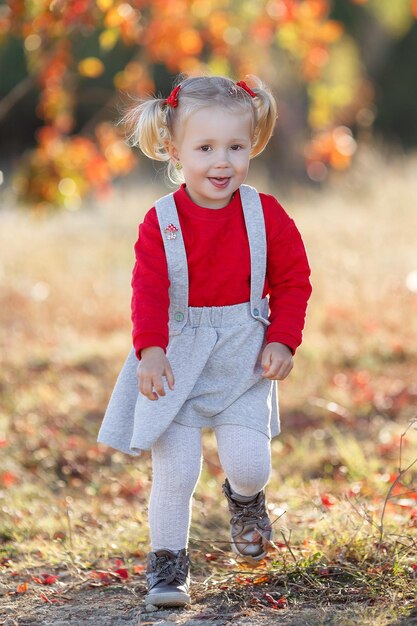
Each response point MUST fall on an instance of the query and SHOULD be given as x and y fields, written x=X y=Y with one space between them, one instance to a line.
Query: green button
x=256 y=311
x=179 y=316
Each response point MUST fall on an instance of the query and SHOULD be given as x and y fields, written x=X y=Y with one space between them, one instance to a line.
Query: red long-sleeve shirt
x=218 y=258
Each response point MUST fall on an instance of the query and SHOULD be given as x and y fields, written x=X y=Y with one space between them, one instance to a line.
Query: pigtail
x=266 y=113
x=147 y=129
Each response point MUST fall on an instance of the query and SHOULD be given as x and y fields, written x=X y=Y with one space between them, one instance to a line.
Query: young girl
x=207 y=258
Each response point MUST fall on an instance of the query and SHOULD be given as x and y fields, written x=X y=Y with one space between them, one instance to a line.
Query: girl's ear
x=172 y=150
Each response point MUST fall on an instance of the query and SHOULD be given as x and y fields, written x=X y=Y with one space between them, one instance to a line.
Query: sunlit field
x=343 y=491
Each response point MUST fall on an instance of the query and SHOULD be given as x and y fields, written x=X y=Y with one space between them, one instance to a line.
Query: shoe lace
x=169 y=570
x=247 y=512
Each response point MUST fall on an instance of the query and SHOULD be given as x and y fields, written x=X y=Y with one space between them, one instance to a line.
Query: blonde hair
x=151 y=123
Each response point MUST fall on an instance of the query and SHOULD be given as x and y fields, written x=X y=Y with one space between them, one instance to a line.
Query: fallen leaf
x=281 y=603
x=45 y=579
x=243 y=580
x=51 y=599
x=327 y=500
x=259 y=580
x=102 y=578
x=8 y=479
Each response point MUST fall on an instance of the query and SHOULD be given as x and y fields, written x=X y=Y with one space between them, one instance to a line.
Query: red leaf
x=50 y=599
x=243 y=580
x=268 y=598
x=103 y=577
x=327 y=500
x=393 y=478
x=281 y=603
x=45 y=598
x=8 y=479
x=122 y=572
x=45 y=579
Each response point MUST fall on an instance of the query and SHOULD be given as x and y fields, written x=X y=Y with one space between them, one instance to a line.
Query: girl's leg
x=176 y=463
x=245 y=455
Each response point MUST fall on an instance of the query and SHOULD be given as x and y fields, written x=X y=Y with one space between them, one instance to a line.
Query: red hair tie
x=244 y=86
x=172 y=99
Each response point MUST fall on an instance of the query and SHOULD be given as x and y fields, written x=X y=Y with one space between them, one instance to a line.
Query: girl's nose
x=222 y=159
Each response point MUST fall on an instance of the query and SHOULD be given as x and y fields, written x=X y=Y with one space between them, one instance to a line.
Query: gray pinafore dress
x=214 y=352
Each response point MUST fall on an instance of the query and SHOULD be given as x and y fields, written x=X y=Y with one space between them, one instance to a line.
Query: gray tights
x=244 y=454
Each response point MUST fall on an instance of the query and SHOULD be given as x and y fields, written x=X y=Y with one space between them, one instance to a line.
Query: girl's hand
x=152 y=367
x=277 y=361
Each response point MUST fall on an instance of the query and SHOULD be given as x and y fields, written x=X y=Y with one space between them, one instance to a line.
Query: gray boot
x=250 y=526
x=167 y=574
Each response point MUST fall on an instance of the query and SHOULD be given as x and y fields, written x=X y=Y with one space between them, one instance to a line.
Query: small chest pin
x=171 y=231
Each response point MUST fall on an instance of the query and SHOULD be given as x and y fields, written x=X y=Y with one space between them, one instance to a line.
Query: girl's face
x=213 y=147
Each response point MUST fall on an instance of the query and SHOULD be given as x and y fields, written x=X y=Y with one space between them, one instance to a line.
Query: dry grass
x=73 y=507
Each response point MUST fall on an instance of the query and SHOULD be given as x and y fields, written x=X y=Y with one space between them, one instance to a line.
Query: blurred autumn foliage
x=300 y=47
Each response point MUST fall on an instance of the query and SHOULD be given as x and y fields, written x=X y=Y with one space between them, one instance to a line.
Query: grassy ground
x=344 y=502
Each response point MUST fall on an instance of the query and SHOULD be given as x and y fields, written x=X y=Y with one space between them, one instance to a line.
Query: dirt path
x=122 y=605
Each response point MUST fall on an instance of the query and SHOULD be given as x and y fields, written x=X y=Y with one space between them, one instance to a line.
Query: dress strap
x=255 y=227
x=176 y=260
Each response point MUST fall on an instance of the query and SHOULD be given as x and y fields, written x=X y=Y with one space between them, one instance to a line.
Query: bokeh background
x=342 y=70
x=343 y=163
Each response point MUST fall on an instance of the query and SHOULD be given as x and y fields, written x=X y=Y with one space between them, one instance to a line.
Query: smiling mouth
x=219 y=181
